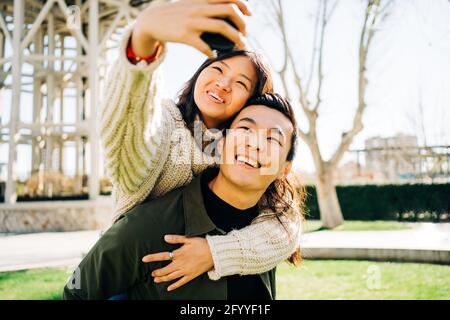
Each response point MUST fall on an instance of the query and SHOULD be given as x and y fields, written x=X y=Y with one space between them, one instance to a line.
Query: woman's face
x=222 y=89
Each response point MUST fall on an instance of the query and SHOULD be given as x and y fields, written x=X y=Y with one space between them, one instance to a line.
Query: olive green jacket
x=113 y=266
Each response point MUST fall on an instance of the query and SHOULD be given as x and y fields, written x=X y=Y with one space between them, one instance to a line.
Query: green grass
x=345 y=279
x=36 y=284
x=313 y=225
x=315 y=279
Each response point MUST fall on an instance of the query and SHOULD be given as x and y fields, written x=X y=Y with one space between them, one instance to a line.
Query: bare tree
x=431 y=128
x=417 y=120
x=330 y=211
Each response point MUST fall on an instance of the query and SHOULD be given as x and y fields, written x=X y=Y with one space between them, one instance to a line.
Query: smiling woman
x=221 y=86
x=227 y=84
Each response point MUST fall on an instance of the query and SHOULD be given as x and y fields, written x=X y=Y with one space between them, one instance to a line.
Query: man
x=256 y=151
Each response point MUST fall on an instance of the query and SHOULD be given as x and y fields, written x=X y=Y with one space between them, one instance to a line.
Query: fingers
x=243 y=7
x=226 y=10
x=179 y=283
x=164 y=256
x=160 y=256
x=170 y=238
x=172 y=276
x=164 y=271
x=220 y=26
x=201 y=46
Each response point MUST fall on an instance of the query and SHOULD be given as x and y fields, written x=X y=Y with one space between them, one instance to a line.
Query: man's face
x=255 y=148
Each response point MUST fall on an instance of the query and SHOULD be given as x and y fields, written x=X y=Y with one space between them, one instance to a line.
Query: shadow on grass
x=55 y=296
x=321 y=228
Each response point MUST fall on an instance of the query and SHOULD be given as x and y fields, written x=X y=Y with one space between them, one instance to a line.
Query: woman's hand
x=189 y=261
x=184 y=21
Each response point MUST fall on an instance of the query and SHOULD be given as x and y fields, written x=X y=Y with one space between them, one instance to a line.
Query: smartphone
x=218 y=42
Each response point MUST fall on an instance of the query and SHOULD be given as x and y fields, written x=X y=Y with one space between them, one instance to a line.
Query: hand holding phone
x=206 y=25
x=218 y=42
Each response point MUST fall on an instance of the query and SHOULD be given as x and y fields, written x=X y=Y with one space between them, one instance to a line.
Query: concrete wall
x=43 y=216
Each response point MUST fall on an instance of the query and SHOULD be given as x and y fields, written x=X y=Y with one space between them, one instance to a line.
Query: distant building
x=355 y=173
x=394 y=157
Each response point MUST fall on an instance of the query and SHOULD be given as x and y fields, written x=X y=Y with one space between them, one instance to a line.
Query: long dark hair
x=284 y=198
x=186 y=102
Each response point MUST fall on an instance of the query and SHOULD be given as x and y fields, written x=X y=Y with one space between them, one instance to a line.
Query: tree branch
x=313 y=57
x=289 y=58
x=280 y=20
x=320 y=62
x=325 y=20
x=364 y=44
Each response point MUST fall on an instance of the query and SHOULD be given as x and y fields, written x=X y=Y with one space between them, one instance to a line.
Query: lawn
x=36 y=284
x=346 y=279
x=315 y=279
x=356 y=225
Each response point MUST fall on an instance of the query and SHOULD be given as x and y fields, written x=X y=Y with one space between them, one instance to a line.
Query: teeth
x=247 y=161
x=215 y=96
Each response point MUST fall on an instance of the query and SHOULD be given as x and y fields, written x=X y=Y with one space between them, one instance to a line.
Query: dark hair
x=186 y=102
x=283 y=197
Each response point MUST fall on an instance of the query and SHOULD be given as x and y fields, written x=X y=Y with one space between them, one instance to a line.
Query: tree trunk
x=330 y=210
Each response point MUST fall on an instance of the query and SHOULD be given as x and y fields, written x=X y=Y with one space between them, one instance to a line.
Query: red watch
x=135 y=58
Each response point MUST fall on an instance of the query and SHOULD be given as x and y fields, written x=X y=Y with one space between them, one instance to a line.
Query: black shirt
x=227 y=218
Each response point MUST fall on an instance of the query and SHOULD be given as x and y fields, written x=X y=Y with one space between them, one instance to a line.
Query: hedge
x=54 y=198
x=409 y=202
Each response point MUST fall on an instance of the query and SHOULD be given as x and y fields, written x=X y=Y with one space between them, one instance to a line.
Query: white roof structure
x=55 y=51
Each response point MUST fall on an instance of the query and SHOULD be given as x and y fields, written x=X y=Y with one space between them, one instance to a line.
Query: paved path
x=38 y=250
x=426 y=242
x=427 y=236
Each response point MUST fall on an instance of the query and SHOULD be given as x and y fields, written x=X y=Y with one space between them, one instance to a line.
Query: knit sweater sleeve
x=134 y=129
x=254 y=249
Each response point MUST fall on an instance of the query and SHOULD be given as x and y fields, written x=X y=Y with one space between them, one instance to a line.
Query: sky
x=409 y=58
x=408 y=63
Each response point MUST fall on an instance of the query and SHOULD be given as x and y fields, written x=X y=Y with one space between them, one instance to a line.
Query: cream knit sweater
x=144 y=139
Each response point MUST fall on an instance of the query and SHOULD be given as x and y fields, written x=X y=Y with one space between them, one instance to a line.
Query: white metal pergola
x=39 y=34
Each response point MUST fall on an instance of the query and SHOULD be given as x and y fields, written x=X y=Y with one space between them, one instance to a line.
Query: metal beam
x=111 y=28
x=42 y=57
x=78 y=119
x=5 y=60
x=5 y=29
x=37 y=24
x=93 y=101
x=10 y=192
x=37 y=103
x=74 y=31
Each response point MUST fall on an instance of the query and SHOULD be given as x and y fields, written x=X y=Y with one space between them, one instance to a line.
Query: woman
x=141 y=152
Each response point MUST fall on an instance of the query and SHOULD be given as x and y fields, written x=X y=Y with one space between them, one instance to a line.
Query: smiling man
x=257 y=155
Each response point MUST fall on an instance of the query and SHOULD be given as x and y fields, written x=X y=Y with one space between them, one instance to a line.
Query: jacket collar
x=197 y=221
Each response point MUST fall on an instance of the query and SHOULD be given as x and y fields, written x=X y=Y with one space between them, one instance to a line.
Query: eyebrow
x=241 y=74
x=248 y=120
x=278 y=130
